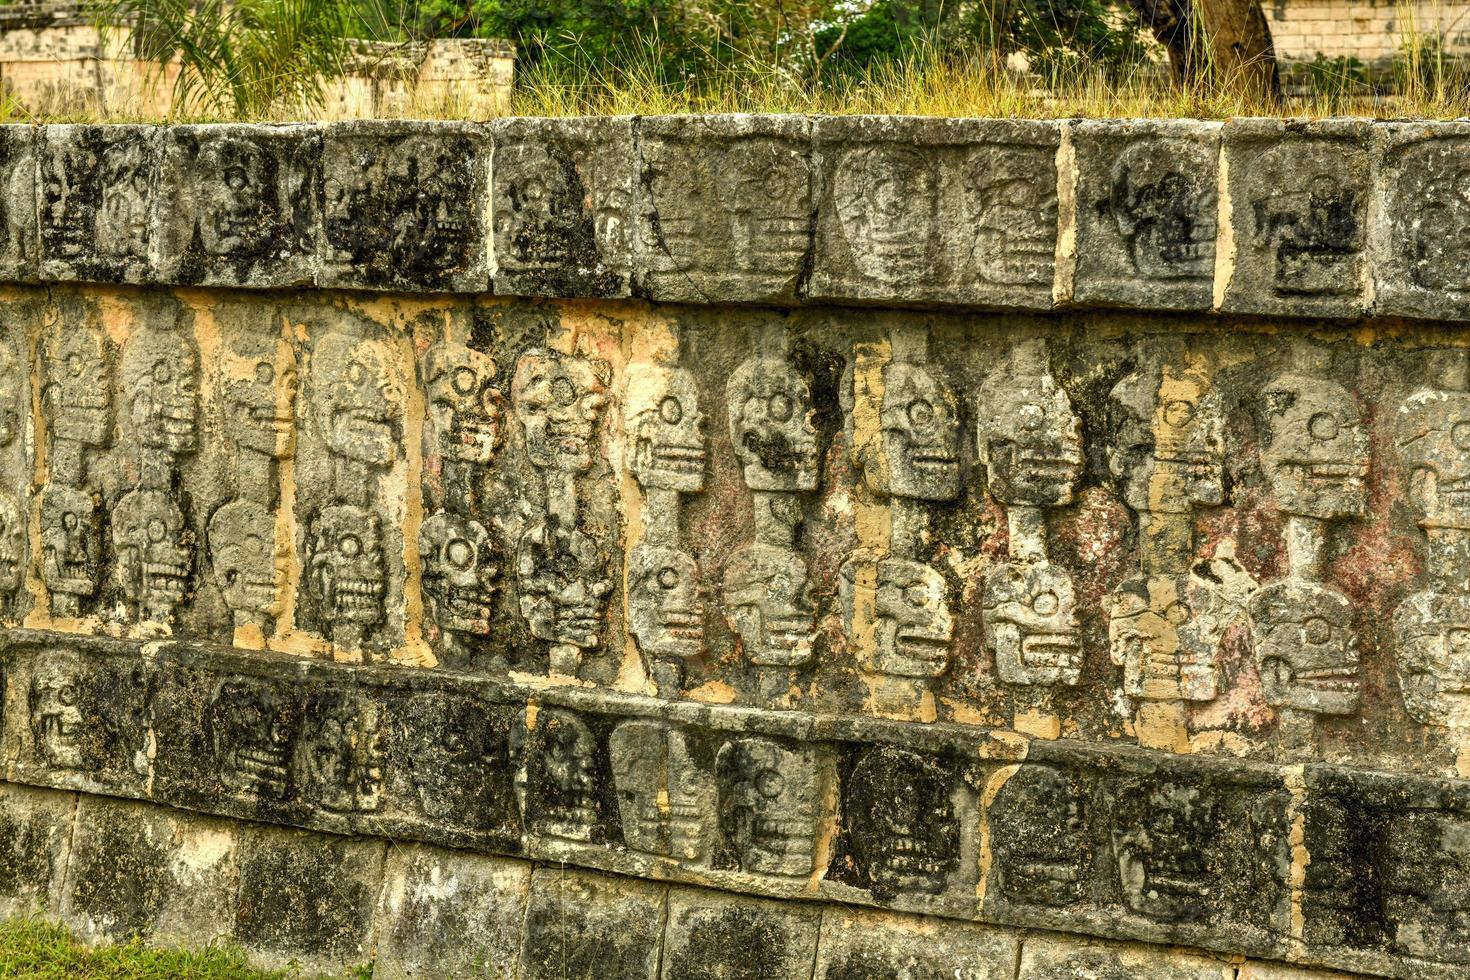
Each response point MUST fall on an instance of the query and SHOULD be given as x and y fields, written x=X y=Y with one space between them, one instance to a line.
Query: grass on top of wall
x=37 y=950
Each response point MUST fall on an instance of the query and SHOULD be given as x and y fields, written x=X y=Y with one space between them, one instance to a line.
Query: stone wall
x=1043 y=526
x=53 y=60
x=1373 y=31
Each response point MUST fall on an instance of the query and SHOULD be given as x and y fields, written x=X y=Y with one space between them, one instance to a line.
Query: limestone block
x=238 y=206
x=98 y=186
x=723 y=212
x=19 y=245
x=1275 y=971
x=1417 y=231
x=449 y=914
x=1298 y=217
x=936 y=211
x=1058 y=958
x=140 y=869
x=582 y=926
x=1146 y=213
x=866 y=945
x=35 y=846
x=306 y=898
x=561 y=203
x=403 y=206
x=711 y=936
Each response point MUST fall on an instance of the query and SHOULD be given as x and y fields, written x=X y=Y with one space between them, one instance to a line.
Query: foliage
x=246 y=58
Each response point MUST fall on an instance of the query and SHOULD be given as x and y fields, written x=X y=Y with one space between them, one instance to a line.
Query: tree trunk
x=1221 y=43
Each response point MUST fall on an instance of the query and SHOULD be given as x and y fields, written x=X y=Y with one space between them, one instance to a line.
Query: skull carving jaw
x=769 y=605
x=664 y=798
x=1042 y=850
x=249 y=560
x=459 y=574
x=1305 y=647
x=668 y=435
x=1433 y=438
x=464 y=419
x=1030 y=616
x=1160 y=835
x=1028 y=437
x=887 y=207
x=1167 y=447
x=665 y=610
x=917 y=455
x=556 y=775
x=770 y=408
x=356 y=400
x=904 y=830
x=912 y=626
x=768 y=806
x=559 y=401
x=121 y=224
x=345 y=571
x=57 y=723
x=562 y=582
x=71 y=553
x=1317 y=452
x=1433 y=633
x=1165 y=215
x=251 y=733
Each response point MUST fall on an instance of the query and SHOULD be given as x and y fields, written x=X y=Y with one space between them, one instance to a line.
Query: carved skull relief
x=1305 y=647
x=260 y=395
x=160 y=373
x=237 y=201
x=768 y=603
x=666 y=426
x=1433 y=439
x=1309 y=223
x=559 y=401
x=1433 y=633
x=911 y=622
x=562 y=578
x=917 y=454
x=1316 y=448
x=344 y=567
x=12 y=545
x=153 y=555
x=1162 y=832
x=1039 y=837
x=1015 y=205
x=339 y=758
x=770 y=407
x=1164 y=213
x=1426 y=868
x=126 y=179
x=454 y=750
x=14 y=388
x=665 y=800
x=887 y=206
x=665 y=610
x=249 y=561
x=1440 y=218
x=556 y=775
x=1167 y=441
x=464 y=407
x=356 y=399
x=1029 y=438
x=71 y=547
x=77 y=397
x=1165 y=632
x=459 y=573
x=537 y=208
x=55 y=702
x=768 y=805
x=426 y=175
x=901 y=822
x=1030 y=619
x=251 y=731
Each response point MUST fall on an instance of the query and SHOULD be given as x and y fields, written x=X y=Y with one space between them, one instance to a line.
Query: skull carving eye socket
x=156 y=530
x=460 y=553
x=668 y=577
x=1030 y=417
x=235 y=178
x=1177 y=613
x=1460 y=435
x=1323 y=427
x=265 y=372
x=917 y=596
x=356 y=372
x=780 y=407
x=769 y=783
x=670 y=410
x=74 y=365
x=67 y=694
x=1178 y=413
x=1316 y=630
x=350 y=546
x=464 y=380
x=162 y=373
x=1046 y=603
x=563 y=391
x=921 y=412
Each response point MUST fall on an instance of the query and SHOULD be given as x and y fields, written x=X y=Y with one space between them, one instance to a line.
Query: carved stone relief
x=666 y=802
x=252 y=729
x=71 y=548
x=97 y=189
x=768 y=805
x=558 y=775
x=155 y=562
x=1039 y=836
x=901 y=822
x=340 y=754
x=345 y=571
x=249 y=562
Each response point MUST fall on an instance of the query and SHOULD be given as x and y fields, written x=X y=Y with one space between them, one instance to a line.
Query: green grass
x=32 y=948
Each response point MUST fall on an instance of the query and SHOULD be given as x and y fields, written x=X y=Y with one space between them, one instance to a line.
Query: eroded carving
x=1030 y=622
x=887 y=205
x=769 y=604
x=260 y=404
x=557 y=782
x=665 y=610
x=770 y=406
x=127 y=175
x=1161 y=833
x=1039 y=836
x=1165 y=213
x=768 y=805
x=252 y=730
x=1307 y=215
x=160 y=378
x=464 y=406
x=71 y=547
x=154 y=559
x=666 y=802
x=1012 y=191
x=338 y=760
x=459 y=575
x=249 y=561
x=1426 y=883
x=76 y=398
x=58 y=726
x=901 y=823
x=1165 y=632
x=910 y=622
x=345 y=571
x=454 y=751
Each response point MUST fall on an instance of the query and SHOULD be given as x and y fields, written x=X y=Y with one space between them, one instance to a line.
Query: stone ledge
x=1336 y=219
x=1105 y=840
x=122 y=868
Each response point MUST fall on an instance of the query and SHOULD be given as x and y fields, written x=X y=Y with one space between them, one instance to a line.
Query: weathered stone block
x=19 y=242
x=1417 y=232
x=35 y=845
x=1146 y=213
x=98 y=185
x=1298 y=217
x=238 y=206
x=710 y=936
x=561 y=206
x=936 y=210
x=582 y=926
x=1057 y=958
x=403 y=206
x=724 y=207
x=140 y=869
x=1275 y=971
x=306 y=898
x=860 y=945
x=450 y=914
